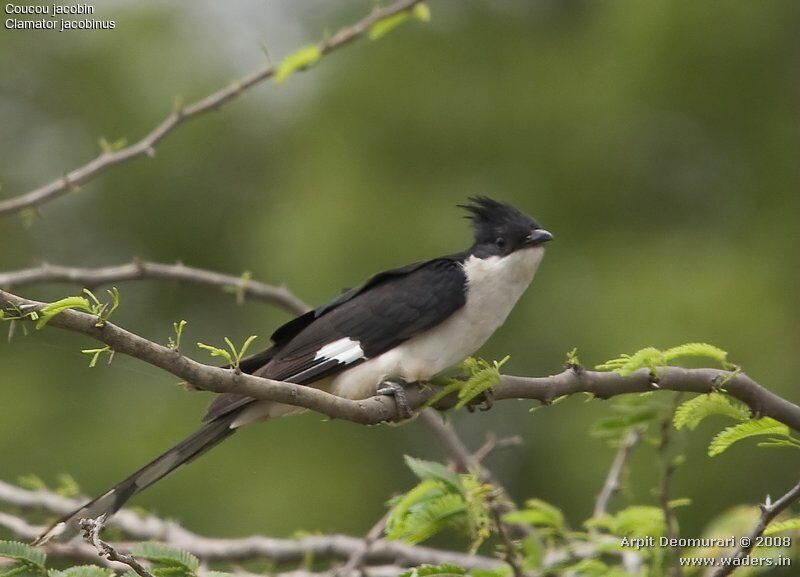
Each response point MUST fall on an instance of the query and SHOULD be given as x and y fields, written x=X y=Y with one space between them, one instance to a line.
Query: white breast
x=494 y=285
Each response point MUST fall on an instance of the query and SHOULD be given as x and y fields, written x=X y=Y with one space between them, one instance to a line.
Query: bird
x=402 y=326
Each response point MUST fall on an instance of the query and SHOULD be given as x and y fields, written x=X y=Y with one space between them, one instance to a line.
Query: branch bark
x=278 y=551
x=769 y=511
x=146 y=146
x=378 y=409
x=612 y=483
x=140 y=269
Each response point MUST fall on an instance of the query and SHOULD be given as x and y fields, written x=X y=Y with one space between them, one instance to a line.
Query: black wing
x=388 y=309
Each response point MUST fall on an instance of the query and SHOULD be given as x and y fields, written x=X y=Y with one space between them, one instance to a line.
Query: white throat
x=495 y=284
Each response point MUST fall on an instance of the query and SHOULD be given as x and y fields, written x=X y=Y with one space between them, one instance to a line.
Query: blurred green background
x=659 y=141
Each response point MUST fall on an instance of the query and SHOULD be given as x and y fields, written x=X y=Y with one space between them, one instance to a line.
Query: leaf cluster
x=476 y=376
x=691 y=413
x=442 y=500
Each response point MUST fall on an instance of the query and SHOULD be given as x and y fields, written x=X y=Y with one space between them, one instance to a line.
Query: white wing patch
x=344 y=351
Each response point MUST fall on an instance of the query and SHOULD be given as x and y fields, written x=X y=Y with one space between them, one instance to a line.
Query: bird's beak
x=537 y=237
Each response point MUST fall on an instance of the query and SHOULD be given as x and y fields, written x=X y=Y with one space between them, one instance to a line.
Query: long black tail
x=112 y=500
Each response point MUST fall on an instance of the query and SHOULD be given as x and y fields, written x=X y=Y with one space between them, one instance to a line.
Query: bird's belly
x=489 y=301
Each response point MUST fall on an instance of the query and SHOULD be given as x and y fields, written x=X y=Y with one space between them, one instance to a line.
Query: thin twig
x=492 y=443
x=668 y=467
x=140 y=269
x=769 y=511
x=499 y=501
x=356 y=560
x=91 y=533
x=146 y=146
x=612 y=483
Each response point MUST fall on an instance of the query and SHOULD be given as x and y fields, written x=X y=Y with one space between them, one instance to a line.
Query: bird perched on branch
x=402 y=326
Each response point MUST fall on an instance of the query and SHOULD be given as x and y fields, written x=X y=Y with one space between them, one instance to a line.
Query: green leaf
x=300 y=60
x=383 y=26
x=96 y=354
x=82 y=571
x=693 y=411
x=783 y=526
x=538 y=513
x=625 y=365
x=736 y=433
x=482 y=377
x=217 y=352
x=243 y=351
x=446 y=390
x=675 y=503
x=433 y=470
x=444 y=570
x=702 y=350
x=30 y=556
x=436 y=504
x=47 y=313
x=636 y=521
x=166 y=556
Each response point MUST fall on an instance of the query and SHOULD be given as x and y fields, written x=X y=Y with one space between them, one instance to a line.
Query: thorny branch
x=91 y=533
x=73 y=179
x=769 y=511
x=140 y=269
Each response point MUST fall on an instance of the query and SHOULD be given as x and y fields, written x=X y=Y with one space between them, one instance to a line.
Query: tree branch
x=769 y=511
x=612 y=484
x=139 y=269
x=604 y=385
x=91 y=534
x=499 y=504
x=278 y=551
x=380 y=409
x=146 y=146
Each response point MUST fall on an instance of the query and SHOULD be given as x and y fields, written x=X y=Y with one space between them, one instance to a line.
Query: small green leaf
x=783 y=526
x=636 y=521
x=96 y=354
x=82 y=571
x=444 y=570
x=736 y=433
x=538 y=513
x=47 y=313
x=383 y=26
x=625 y=365
x=217 y=352
x=175 y=342
x=243 y=351
x=693 y=411
x=433 y=470
x=675 y=503
x=28 y=555
x=300 y=60
x=702 y=350
x=166 y=555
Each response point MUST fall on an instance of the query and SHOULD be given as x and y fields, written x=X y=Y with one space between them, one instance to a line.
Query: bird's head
x=500 y=229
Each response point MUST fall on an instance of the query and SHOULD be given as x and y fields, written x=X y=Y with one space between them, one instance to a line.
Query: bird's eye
x=500 y=242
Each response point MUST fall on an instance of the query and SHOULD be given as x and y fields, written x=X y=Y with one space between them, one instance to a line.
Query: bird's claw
x=482 y=402
x=398 y=392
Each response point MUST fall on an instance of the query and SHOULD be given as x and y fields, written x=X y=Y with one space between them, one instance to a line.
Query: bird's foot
x=482 y=402
x=398 y=392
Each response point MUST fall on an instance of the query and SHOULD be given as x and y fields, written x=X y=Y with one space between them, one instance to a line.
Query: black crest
x=491 y=219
